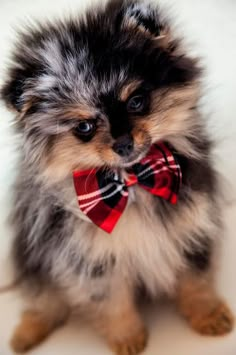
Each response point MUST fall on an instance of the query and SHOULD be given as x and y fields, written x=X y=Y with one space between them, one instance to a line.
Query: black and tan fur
x=88 y=69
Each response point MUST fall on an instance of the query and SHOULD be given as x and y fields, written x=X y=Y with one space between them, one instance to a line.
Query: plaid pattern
x=103 y=196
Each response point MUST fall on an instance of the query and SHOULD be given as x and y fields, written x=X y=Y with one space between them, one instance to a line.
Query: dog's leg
x=38 y=321
x=121 y=324
x=197 y=298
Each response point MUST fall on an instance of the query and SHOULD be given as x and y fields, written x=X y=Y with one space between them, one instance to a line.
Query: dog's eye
x=136 y=104
x=85 y=129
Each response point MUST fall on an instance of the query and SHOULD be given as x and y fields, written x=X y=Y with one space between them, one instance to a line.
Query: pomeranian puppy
x=116 y=191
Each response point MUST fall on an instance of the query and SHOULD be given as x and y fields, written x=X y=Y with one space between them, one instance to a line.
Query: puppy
x=93 y=97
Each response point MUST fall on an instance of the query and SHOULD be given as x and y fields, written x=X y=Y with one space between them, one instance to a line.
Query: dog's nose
x=124 y=145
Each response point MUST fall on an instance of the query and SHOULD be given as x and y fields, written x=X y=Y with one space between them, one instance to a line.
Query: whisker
x=90 y=173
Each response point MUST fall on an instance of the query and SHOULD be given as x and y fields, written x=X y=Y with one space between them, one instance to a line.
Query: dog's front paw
x=21 y=342
x=218 y=321
x=132 y=345
x=30 y=332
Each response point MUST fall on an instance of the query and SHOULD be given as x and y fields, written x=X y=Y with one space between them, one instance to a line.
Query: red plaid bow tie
x=103 y=197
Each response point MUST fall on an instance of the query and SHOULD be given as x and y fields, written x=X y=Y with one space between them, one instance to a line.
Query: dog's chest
x=139 y=248
x=148 y=251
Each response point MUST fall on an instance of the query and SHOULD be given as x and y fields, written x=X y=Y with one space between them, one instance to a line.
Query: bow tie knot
x=103 y=197
x=132 y=180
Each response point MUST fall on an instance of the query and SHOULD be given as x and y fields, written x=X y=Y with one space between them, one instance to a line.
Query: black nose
x=124 y=145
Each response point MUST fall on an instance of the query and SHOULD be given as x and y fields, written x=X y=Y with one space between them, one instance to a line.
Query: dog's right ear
x=22 y=71
x=13 y=89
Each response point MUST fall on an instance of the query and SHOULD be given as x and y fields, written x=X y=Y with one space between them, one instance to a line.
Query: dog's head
x=98 y=91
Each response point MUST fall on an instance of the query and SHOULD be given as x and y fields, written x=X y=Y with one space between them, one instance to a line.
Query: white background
x=209 y=29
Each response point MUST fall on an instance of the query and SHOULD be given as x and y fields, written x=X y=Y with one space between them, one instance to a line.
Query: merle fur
x=200 y=257
x=109 y=50
x=101 y=49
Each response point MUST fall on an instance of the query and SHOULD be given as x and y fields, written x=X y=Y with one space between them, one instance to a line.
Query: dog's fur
x=88 y=69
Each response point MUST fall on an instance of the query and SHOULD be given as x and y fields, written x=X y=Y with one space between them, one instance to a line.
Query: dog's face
x=98 y=92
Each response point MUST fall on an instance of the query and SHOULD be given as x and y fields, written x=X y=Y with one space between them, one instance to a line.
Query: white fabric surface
x=209 y=28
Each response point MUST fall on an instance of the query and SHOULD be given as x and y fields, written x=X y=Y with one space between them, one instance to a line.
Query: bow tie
x=103 y=196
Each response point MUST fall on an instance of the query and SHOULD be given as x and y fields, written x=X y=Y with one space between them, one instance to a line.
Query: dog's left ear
x=145 y=17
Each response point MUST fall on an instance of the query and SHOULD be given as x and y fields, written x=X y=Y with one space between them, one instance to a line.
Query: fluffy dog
x=95 y=94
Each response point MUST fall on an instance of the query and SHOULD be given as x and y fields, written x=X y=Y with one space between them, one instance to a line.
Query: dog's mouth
x=126 y=162
x=130 y=163
x=134 y=158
